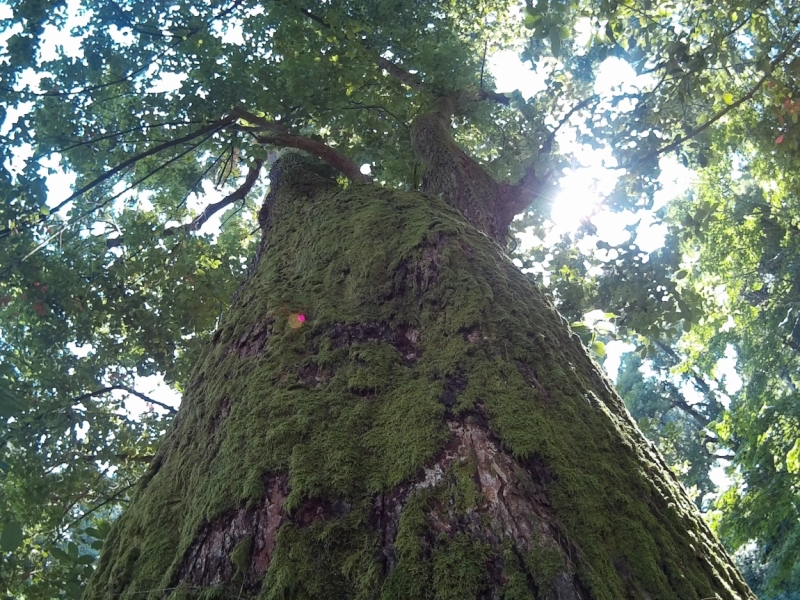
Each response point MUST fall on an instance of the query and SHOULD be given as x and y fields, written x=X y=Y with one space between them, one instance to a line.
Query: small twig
x=126 y=389
x=483 y=62
x=102 y=204
x=547 y=145
x=210 y=128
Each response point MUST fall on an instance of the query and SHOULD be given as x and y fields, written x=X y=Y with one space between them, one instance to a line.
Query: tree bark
x=392 y=410
x=459 y=180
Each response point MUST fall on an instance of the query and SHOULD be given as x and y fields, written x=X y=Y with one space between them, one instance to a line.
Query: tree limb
x=322 y=151
x=239 y=194
x=260 y=123
x=400 y=74
x=319 y=149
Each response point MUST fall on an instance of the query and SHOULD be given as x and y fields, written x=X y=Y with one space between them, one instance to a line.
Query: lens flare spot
x=296 y=320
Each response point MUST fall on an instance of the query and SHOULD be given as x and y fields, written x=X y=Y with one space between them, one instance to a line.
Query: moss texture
x=413 y=320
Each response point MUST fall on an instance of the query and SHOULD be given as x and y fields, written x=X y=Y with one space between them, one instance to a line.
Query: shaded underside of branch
x=322 y=151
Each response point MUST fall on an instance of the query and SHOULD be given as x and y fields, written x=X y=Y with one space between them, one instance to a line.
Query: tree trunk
x=392 y=410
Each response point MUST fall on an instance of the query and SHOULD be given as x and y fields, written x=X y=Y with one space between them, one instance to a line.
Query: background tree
x=129 y=276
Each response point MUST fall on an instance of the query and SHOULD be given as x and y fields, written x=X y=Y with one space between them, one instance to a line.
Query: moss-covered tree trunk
x=392 y=410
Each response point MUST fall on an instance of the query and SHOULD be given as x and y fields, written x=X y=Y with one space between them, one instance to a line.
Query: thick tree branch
x=256 y=123
x=400 y=74
x=210 y=210
x=494 y=96
x=322 y=151
x=678 y=401
x=280 y=137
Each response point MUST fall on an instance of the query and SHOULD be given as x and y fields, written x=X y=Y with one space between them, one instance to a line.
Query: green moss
x=399 y=295
x=518 y=583
x=413 y=575
x=544 y=563
x=459 y=567
x=332 y=559
x=240 y=556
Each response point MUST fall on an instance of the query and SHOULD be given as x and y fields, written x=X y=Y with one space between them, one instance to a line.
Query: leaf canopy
x=165 y=113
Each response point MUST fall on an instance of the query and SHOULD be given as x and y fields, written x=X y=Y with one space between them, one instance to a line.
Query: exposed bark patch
x=311 y=375
x=347 y=334
x=319 y=510
x=208 y=561
x=254 y=341
x=407 y=342
x=222 y=414
x=385 y=518
x=513 y=505
x=474 y=335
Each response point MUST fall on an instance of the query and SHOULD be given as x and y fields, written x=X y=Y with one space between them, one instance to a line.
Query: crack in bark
x=254 y=341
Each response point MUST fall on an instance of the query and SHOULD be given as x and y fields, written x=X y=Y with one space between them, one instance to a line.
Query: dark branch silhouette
x=123 y=388
x=210 y=210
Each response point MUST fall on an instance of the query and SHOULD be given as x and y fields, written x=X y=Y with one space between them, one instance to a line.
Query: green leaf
x=793 y=458
x=10 y=406
x=12 y=536
x=85 y=559
x=75 y=590
x=530 y=20
x=727 y=97
x=105 y=529
x=60 y=554
x=599 y=348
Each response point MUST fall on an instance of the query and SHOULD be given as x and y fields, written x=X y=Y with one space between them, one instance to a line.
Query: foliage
x=113 y=281
x=719 y=88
